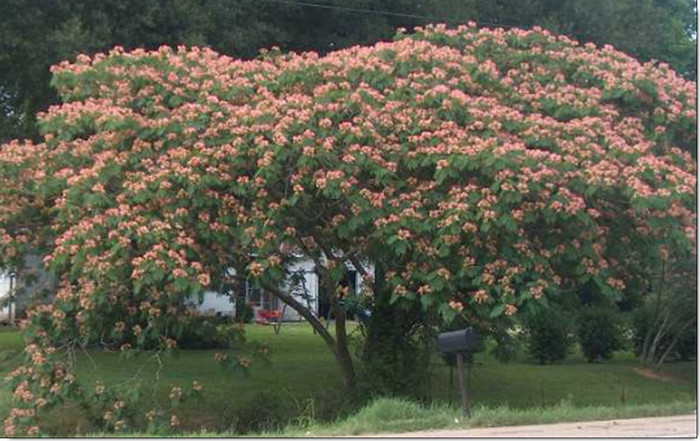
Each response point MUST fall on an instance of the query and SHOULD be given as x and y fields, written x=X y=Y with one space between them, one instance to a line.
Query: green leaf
x=497 y=311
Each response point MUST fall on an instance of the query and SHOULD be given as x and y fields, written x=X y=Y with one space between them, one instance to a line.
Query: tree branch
x=303 y=311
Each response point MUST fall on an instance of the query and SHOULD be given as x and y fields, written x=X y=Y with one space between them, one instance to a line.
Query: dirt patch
x=660 y=376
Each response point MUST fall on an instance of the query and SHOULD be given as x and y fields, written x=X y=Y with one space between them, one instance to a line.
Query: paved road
x=684 y=426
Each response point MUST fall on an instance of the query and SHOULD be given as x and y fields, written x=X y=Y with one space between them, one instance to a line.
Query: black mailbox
x=460 y=343
x=464 y=340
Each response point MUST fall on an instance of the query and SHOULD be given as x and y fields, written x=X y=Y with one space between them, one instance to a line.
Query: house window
x=258 y=297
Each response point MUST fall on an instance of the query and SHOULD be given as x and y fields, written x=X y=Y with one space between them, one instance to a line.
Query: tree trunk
x=647 y=339
x=239 y=288
x=337 y=345
x=672 y=345
x=648 y=347
x=393 y=361
x=654 y=345
x=342 y=351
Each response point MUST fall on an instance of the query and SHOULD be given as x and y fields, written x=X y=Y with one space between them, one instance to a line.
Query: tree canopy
x=481 y=170
x=37 y=34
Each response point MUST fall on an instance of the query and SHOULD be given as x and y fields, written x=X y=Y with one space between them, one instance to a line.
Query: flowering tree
x=479 y=170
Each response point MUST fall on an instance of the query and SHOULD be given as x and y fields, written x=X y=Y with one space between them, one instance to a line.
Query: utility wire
x=355 y=10
x=416 y=16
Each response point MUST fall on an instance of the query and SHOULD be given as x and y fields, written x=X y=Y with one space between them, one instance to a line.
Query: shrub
x=209 y=333
x=507 y=344
x=547 y=334
x=599 y=333
x=687 y=347
x=265 y=412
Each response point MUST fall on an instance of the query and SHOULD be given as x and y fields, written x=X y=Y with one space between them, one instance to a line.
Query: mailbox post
x=460 y=343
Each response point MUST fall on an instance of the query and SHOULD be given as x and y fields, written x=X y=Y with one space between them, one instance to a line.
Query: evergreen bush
x=599 y=333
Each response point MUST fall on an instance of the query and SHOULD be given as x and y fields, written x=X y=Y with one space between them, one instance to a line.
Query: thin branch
x=155 y=386
x=92 y=360
x=358 y=266
x=326 y=249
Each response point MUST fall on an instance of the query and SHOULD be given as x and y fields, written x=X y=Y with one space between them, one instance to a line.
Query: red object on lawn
x=266 y=317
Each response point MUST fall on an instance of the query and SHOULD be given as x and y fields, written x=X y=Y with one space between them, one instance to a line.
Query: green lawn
x=302 y=382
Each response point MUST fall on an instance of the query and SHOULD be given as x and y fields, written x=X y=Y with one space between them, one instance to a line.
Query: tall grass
x=399 y=415
x=394 y=415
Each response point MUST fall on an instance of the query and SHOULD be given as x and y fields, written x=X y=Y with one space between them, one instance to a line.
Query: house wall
x=33 y=284
x=307 y=295
x=312 y=286
x=215 y=303
x=212 y=302
x=4 y=293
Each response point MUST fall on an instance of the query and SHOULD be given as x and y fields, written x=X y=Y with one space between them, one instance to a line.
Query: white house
x=303 y=286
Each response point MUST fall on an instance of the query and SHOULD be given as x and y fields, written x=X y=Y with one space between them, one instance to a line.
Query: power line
x=415 y=16
x=381 y=12
x=355 y=10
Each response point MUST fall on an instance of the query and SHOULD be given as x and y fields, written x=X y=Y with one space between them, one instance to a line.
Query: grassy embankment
x=301 y=389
